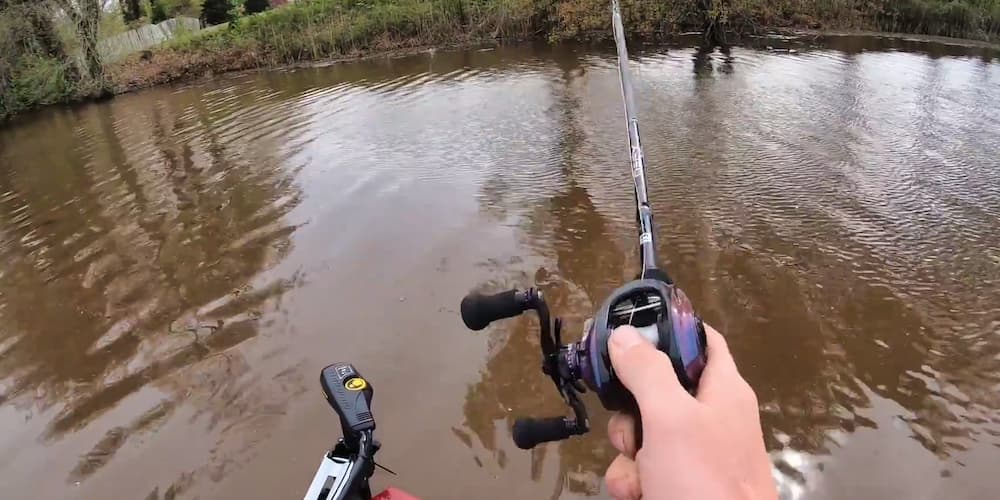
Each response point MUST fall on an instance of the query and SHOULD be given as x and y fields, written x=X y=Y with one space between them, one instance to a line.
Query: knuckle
x=621 y=479
x=616 y=485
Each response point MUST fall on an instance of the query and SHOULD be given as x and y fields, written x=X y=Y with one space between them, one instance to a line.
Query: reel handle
x=531 y=432
x=479 y=310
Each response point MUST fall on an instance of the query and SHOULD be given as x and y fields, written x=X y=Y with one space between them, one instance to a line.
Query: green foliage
x=157 y=12
x=112 y=23
x=321 y=28
x=959 y=18
x=40 y=80
x=589 y=18
x=175 y=8
x=33 y=65
x=255 y=6
x=131 y=10
x=35 y=70
x=311 y=29
x=976 y=19
x=37 y=80
x=217 y=11
x=37 y=40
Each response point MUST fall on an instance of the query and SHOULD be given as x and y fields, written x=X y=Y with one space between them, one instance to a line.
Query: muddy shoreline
x=786 y=36
x=140 y=72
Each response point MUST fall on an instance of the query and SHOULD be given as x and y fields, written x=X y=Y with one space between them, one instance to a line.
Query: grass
x=321 y=29
x=29 y=76
x=40 y=80
x=318 y=29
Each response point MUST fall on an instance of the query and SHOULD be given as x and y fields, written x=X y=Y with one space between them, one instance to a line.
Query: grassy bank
x=320 y=29
x=323 y=29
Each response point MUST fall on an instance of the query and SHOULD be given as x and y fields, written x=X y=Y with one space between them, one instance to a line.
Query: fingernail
x=625 y=337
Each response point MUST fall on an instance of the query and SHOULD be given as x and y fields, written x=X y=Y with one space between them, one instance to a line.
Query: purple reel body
x=662 y=313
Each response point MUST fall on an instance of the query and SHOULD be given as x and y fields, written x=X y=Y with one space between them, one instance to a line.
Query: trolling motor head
x=344 y=471
x=652 y=304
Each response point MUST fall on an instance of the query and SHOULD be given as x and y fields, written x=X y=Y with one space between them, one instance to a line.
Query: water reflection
x=825 y=256
x=130 y=238
x=817 y=207
x=833 y=211
x=587 y=266
x=707 y=63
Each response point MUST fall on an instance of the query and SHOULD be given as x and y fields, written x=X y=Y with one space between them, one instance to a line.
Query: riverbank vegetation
x=49 y=47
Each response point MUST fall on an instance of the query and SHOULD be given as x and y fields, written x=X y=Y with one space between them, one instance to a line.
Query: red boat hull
x=394 y=494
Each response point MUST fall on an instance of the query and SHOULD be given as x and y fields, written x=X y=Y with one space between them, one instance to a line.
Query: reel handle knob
x=531 y=432
x=479 y=310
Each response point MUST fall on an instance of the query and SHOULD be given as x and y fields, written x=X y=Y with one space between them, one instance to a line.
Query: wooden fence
x=151 y=35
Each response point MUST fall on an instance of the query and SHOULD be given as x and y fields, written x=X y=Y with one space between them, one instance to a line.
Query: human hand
x=708 y=447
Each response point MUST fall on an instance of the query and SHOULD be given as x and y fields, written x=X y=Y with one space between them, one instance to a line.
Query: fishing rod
x=651 y=303
x=644 y=214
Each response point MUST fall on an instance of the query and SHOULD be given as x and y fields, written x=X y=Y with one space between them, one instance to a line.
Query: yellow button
x=355 y=384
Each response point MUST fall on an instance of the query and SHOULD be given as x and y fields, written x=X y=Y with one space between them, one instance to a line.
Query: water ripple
x=833 y=211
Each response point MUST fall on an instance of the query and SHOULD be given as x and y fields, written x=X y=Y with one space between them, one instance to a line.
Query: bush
x=255 y=6
x=38 y=81
x=32 y=72
x=157 y=12
x=217 y=11
x=175 y=8
x=131 y=10
x=33 y=68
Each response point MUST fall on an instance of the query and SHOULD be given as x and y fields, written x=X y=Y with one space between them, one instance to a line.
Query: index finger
x=720 y=370
x=718 y=350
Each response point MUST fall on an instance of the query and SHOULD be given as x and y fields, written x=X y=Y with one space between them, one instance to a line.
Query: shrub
x=217 y=11
x=157 y=12
x=40 y=80
x=255 y=6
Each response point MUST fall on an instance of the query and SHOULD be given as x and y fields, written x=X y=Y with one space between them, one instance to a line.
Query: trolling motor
x=344 y=472
x=652 y=304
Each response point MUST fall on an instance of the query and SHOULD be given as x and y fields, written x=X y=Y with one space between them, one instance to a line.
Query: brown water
x=178 y=264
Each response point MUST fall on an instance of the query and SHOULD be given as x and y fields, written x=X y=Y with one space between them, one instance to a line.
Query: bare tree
x=86 y=17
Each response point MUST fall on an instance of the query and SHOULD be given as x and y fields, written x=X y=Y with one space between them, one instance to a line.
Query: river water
x=178 y=264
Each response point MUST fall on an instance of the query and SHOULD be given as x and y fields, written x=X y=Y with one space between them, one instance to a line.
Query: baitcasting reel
x=654 y=306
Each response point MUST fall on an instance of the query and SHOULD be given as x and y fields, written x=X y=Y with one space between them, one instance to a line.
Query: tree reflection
x=705 y=64
x=588 y=264
x=839 y=303
x=829 y=328
x=129 y=238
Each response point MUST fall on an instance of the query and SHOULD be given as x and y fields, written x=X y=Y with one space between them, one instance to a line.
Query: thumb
x=642 y=368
